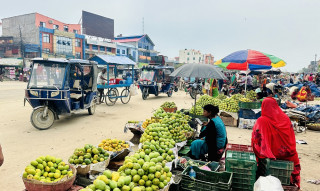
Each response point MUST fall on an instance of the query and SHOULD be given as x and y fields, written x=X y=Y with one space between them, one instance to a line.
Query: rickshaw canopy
x=112 y=60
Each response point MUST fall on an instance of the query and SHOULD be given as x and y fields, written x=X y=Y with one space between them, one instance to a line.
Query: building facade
x=127 y=50
x=191 y=56
x=143 y=44
x=98 y=45
x=42 y=36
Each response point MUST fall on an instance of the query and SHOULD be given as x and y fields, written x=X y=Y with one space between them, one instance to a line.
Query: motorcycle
x=194 y=89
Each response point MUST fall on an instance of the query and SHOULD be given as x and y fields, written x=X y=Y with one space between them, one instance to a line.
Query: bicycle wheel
x=125 y=96
x=112 y=96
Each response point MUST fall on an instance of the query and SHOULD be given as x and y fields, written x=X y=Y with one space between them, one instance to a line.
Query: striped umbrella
x=250 y=60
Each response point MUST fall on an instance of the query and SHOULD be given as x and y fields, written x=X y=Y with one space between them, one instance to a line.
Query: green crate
x=249 y=105
x=214 y=166
x=241 y=155
x=282 y=170
x=206 y=180
x=243 y=166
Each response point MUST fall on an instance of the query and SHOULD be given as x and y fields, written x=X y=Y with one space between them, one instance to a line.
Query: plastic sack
x=267 y=183
x=133 y=90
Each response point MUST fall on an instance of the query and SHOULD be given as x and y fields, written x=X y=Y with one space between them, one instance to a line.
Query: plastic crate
x=249 y=105
x=249 y=114
x=282 y=170
x=238 y=147
x=214 y=166
x=290 y=188
x=243 y=166
x=206 y=180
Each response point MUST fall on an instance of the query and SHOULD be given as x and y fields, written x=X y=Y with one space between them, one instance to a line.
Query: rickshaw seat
x=75 y=96
x=76 y=84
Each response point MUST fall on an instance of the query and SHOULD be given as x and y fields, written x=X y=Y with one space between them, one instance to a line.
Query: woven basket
x=170 y=110
x=35 y=185
x=85 y=169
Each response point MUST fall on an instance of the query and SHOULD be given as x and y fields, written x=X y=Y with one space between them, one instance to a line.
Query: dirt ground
x=22 y=143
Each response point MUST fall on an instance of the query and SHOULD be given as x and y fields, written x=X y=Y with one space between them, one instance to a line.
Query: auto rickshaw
x=60 y=86
x=155 y=80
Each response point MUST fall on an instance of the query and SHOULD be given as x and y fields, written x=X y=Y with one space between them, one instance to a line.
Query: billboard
x=96 y=25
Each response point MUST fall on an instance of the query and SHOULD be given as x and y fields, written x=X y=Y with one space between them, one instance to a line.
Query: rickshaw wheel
x=125 y=96
x=170 y=93
x=113 y=92
x=145 y=93
x=156 y=93
x=39 y=122
x=92 y=108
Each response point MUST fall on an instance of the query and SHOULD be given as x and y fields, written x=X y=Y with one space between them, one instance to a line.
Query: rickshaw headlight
x=34 y=93
x=54 y=94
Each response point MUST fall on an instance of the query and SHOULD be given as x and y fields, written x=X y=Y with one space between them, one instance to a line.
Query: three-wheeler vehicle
x=60 y=86
x=155 y=80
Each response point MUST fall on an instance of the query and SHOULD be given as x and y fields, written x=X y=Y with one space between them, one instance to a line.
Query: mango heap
x=168 y=104
x=149 y=121
x=245 y=100
x=177 y=124
x=113 y=145
x=252 y=95
x=206 y=99
x=47 y=169
x=88 y=155
x=139 y=172
x=196 y=110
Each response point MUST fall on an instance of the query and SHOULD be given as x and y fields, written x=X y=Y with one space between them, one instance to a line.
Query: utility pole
x=315 y=60
x=22 y=49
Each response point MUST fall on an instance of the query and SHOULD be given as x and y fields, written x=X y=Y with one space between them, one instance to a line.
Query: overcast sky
x=289 y=29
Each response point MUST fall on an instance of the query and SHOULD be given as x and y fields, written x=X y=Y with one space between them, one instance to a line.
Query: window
x=118 y=51
x=65 y=28
x=123 y=51
x=42 y=24
x=109 y=49
x=64 y=45
x=78 y=42
x=194 y=58
x=46 y=50
x=87 y=46
x=78 y=55
x=188 y=59
x=102 y=48
x=94 y=47
x=46 y=38
x=56 y=27
x=188 y=53
x=75 y=31
x=139 y=45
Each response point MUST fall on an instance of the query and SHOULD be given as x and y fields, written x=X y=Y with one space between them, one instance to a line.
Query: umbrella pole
x=245 y=87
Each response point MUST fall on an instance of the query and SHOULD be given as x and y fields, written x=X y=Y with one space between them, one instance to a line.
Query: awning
x=11 y=62
x=109 y=59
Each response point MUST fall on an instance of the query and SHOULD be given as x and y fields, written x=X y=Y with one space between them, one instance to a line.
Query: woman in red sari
x=273 y=138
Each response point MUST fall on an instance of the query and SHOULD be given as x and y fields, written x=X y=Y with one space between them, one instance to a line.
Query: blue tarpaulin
x=108 y=59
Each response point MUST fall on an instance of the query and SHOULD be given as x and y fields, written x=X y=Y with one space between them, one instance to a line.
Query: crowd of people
x=272 y=137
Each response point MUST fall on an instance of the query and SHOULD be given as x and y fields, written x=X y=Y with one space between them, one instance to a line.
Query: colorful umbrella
x=250 y=60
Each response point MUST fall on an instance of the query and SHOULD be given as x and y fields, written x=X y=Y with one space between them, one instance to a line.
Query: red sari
x=273 y=137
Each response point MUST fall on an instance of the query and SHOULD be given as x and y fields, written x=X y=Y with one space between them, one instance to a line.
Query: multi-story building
x=190 y=56
x=98 y=45
x=45 y=37
x=8 y=49
x=208 y=59
x=127 y=50
x=142 y=43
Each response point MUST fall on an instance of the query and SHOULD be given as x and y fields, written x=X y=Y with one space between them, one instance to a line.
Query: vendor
x=304 y=93
x=102 y=78
x=273 y=138
x=213 y=136
x=294 y=94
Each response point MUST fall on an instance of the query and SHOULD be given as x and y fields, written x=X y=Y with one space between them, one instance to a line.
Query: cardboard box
x=229 y=121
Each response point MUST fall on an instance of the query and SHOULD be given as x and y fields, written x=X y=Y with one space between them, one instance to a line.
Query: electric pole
x=22 y=49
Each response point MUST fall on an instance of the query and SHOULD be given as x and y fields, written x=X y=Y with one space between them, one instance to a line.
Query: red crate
x=290 y=188
x=238 y=147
